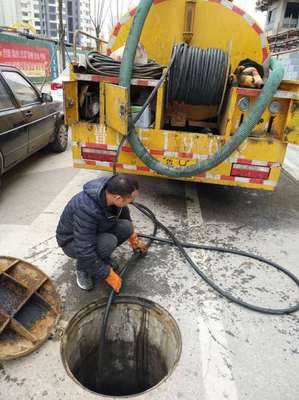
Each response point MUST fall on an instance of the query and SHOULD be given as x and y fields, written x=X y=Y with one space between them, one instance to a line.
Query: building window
x=69 y=8
x=53 y=26
x=53 y=33
x=52 y=17
x=37 y=23
x=36 y=15
x=71 y=37
x=291 y=15
x=70 y=24
x=271 y=16
x=25 y=14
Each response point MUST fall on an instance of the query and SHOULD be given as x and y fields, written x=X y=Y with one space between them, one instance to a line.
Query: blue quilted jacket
x=84 y=217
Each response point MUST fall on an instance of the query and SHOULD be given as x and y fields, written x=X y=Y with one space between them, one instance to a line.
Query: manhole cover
x=142 y=347
x=29 y=307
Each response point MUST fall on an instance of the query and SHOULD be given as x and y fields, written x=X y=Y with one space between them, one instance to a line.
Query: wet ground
x=227 y=352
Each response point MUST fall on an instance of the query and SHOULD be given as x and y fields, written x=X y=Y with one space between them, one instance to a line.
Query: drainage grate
x=143 y=346
x=29 y=307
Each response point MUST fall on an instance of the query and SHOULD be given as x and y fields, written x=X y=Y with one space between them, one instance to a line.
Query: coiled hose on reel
x=197 y=76
x=101 y=64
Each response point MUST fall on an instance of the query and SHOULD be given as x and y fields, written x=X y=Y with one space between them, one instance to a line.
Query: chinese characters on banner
x=34 y=61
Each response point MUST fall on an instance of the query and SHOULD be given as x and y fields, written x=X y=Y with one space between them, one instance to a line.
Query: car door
x=40 y=116
x=14 y=135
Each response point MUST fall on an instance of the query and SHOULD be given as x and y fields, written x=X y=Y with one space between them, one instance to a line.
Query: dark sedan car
x=29 y=120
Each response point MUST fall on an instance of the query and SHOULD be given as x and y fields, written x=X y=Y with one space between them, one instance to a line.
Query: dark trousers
x=106 y=244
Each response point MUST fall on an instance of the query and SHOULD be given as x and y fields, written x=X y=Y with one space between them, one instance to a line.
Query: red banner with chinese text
x=34 y=61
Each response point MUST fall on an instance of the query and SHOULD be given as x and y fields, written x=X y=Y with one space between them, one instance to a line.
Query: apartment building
x=282 y=15
x=282 y=28
x=43 y=16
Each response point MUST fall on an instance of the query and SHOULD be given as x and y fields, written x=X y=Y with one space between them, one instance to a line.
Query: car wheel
x=61 y=139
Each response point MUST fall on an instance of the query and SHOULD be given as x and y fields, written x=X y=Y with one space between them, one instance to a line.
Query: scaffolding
x=284 y=41
x=286 y=38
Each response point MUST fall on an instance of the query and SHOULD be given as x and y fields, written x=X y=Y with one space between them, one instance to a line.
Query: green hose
x=270 y=88
x=126 y=68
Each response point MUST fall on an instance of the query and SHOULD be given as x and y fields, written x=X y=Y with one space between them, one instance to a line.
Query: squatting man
x=95 y=222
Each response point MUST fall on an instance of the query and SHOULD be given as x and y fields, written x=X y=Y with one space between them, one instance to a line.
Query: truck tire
x=60 y=141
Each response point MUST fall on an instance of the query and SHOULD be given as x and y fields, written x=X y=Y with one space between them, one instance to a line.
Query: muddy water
x=127 y=370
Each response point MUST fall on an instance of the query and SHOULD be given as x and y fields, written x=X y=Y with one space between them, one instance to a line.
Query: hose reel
x=197 y=76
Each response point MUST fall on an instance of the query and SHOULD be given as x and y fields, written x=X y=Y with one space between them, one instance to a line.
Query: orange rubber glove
x=114 y=281
x=137 y=244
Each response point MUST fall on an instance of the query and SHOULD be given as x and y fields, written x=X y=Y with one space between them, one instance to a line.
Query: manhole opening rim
x=87 y=309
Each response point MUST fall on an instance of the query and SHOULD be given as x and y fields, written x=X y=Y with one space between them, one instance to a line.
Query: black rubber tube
x=147 y=102
x=198 y=76
x=181 y=247
x=111 y=297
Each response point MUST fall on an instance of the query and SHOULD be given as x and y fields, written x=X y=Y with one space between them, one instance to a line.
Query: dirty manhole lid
x=29 y=307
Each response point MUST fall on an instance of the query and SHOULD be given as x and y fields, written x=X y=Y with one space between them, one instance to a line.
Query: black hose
x=155 y=90
x=147 y=102
x=119 y=148
x=101 y=64
x=111 y=297
x=194 y=61
x=198 y=76
x=181 y=247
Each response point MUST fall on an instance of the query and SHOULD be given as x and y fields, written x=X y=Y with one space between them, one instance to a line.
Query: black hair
x=123 y=185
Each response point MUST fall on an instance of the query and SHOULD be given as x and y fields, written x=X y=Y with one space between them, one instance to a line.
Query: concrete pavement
x=291 y=164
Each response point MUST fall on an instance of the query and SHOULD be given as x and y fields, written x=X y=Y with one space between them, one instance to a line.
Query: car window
x=5 y=101
x=21 y=89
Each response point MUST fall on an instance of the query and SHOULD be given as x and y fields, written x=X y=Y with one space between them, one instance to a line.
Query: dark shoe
x=84 y=280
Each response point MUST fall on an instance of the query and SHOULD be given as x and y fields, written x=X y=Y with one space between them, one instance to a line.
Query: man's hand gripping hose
x=138 y=245
x=114 y=280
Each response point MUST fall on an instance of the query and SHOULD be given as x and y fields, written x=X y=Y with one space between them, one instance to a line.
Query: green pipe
x=126 y=68
x=270 y=88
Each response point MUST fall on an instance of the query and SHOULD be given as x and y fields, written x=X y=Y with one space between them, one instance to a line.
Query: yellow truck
x=196 y=120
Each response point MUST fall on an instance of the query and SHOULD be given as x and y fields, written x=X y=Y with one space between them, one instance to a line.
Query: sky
x=249 y=7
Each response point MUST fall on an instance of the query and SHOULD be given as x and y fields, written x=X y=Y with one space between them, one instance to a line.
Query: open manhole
x=143 y=346
x=29 y=307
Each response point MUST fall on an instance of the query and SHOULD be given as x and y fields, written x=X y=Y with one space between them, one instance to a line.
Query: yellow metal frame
x=185 y=148
x=116 y=103
x=200 y=145
x=266 y=146
x=167 y=23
